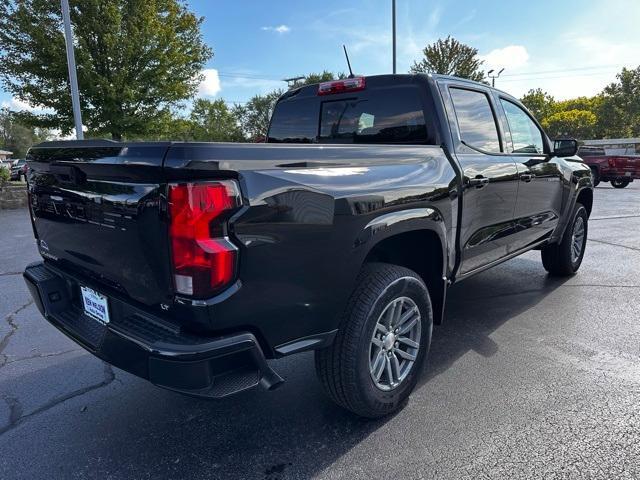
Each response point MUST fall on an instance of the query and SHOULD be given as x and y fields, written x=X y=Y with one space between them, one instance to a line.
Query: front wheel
x=565 y=258
x=620 y=182
x=383 y=340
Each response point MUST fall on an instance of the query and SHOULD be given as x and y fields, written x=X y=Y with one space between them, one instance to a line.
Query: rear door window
x=476 y=121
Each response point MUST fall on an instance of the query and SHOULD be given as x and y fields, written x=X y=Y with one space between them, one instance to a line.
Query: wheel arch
x=585 y=197
x=422 y=249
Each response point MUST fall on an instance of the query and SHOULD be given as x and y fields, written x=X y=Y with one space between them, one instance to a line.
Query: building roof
x=5 y=152
x=613 y=141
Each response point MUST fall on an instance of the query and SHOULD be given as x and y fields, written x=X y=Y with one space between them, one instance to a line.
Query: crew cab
x=620 y=170
x=193 y=264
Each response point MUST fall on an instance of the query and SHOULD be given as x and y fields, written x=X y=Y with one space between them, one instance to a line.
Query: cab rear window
x=385 y=116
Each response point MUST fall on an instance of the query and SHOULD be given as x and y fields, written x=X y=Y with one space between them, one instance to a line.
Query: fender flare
x=425 y=219
x=582 y=183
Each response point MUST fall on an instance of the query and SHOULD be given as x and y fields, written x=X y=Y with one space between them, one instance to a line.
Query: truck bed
x=100 y=211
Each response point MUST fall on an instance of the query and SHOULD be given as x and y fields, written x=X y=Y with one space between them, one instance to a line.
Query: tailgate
x=97 y=210
x=628 y=164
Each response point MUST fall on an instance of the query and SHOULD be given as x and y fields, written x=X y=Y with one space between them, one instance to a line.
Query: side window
x=525 y=134
x=476 y=122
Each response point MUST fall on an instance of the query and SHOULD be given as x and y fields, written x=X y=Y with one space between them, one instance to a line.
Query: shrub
x=5 y=175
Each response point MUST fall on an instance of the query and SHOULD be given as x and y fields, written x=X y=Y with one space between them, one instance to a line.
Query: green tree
x=16 y=137
x=450 y=57
x=169 y=126
x=590 y=104
x=572 y=123
x=539 y=103
x=255 y=115
x=312 y=78
x=620 y=105
x=135 y=60
x=214 y=121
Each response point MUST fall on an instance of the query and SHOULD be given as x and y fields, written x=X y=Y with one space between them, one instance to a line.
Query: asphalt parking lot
x=529 y=377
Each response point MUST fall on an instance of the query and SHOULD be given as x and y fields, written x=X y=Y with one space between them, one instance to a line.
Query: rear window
x=294 y=121
x=387 y=116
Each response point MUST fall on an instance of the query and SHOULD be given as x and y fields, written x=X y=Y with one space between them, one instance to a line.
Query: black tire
x=595 y=174
x=620 y=182
x=557 y=258
x=344 y=367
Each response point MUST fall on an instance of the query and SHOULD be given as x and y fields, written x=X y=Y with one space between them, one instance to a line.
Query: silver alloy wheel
x=577 y=239
x=395 y=343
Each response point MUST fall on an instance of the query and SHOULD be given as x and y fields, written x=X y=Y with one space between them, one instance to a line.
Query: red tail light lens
x=340 y=86
x=204 y=260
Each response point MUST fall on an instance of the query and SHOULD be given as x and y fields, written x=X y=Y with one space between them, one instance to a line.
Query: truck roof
x=396 y=78
x=438 y=76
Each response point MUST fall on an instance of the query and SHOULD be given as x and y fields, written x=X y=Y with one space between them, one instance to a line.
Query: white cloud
x=279 y=29
x=57 y=134
x=18 y=105
x=210 y=85
x=254 y=85
x=510 y=58
x=434 y=19
x=585 y=56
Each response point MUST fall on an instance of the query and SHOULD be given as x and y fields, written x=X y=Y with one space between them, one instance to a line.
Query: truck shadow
x=131 y=429
x=478 y=306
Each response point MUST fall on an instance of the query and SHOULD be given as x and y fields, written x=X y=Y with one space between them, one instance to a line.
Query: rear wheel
x=620 y=182
x=565 y=258
x=384 y=336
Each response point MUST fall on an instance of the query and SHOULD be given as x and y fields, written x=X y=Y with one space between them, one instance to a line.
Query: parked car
x=192 y=264
x=620 y=170
x=19 y=169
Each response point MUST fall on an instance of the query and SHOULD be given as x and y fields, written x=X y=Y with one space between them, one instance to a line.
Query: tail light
x=204 y=260
x=340 y=86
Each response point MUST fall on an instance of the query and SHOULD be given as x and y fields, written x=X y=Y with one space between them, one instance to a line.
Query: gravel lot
x=529 y=377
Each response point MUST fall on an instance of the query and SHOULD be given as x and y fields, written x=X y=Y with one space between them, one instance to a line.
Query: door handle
x=478 y=182
x=527 y=177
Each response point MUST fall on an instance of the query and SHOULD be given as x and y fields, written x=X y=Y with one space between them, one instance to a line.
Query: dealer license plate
x=95 y=305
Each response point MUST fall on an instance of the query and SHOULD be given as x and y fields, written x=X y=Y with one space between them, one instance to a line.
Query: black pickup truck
x=192 y=264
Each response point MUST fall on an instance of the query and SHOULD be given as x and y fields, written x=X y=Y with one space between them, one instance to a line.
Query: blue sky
x=568 y=48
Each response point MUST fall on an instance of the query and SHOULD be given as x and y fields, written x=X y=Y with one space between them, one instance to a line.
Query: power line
x=528 y=79
x=523 y=74
x=561 y=70
x=248 y=76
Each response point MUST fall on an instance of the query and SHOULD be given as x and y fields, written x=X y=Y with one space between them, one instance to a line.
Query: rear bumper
x=613 y=173
x=150 y=347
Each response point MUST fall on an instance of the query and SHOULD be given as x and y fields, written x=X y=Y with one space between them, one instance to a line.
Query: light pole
x=493 y=77
x=71 y=64
x=292 y=81
x=393 y=30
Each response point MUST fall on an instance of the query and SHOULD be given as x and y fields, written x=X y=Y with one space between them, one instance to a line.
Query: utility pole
x=393 y=29
x=493 y=77
x=71 y=64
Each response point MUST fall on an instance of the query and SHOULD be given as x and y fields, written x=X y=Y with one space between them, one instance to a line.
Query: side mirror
x=566 y=147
